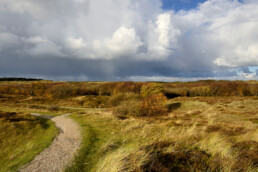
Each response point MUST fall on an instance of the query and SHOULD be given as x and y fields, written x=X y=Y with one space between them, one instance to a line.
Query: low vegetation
x=199 y=134
x=146 y=126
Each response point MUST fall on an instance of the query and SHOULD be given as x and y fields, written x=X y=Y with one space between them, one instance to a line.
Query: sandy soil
x=62 y=150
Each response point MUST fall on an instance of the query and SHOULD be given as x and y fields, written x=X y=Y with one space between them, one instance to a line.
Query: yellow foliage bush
x=151 y=89
x=153 y=105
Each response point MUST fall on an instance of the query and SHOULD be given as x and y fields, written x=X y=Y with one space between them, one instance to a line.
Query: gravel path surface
x=61 y=152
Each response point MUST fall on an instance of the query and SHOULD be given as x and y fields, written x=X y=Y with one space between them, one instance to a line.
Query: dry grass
x=203 y=134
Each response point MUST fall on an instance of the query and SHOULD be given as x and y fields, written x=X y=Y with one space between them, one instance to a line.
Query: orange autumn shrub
x=153 y=105
x=151 y=89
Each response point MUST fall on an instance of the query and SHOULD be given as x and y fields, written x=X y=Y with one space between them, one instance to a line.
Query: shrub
x=236 y=88
x=125 y=87
x=151 y=89
x=38 y=89
x=199 y=91
x=129 y=107
x=61 y=91
x=106 y=88
x=117 y=99
x=153 y=105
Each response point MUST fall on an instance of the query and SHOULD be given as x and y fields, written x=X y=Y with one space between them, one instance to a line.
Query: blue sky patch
x=180 y=4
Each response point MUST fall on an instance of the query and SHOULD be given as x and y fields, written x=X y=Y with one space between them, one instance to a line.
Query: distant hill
x=19 y=79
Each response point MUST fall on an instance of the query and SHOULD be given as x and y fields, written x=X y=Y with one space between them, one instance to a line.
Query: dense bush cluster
x=71 y=89
x=151 y=89
x=126 y=98
x=212 y=88
x=150 y=102
x=153 y=105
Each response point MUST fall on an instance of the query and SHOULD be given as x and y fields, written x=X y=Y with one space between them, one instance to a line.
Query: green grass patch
x=95 y=134
x=22 y=137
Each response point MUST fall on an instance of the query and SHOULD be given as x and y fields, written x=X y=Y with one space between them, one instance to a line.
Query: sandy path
x=61 y=152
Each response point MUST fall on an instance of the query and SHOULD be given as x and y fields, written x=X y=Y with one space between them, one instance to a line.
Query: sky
x=139 y=40
x=177 y=5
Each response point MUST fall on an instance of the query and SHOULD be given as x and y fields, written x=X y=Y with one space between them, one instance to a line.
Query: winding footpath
x=62 y=150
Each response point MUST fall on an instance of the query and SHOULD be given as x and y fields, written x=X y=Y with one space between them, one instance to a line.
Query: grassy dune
x=22 y=137
x=199 y=134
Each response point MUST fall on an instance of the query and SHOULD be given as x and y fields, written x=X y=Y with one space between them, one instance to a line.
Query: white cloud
x=124 y=42
x=76 y=43
x=162 y=36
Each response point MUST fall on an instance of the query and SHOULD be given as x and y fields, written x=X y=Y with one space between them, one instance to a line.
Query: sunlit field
x=135 y=126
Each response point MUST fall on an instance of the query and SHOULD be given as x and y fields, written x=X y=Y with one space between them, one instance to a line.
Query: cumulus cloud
x=124 y=42
x=162 y=36
x=123 y=39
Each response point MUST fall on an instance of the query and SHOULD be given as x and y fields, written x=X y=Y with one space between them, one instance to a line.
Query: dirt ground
x=61 y=152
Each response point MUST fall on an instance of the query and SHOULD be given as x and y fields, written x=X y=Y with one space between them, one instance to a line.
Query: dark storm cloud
x=111 y=40
x=101 y=69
